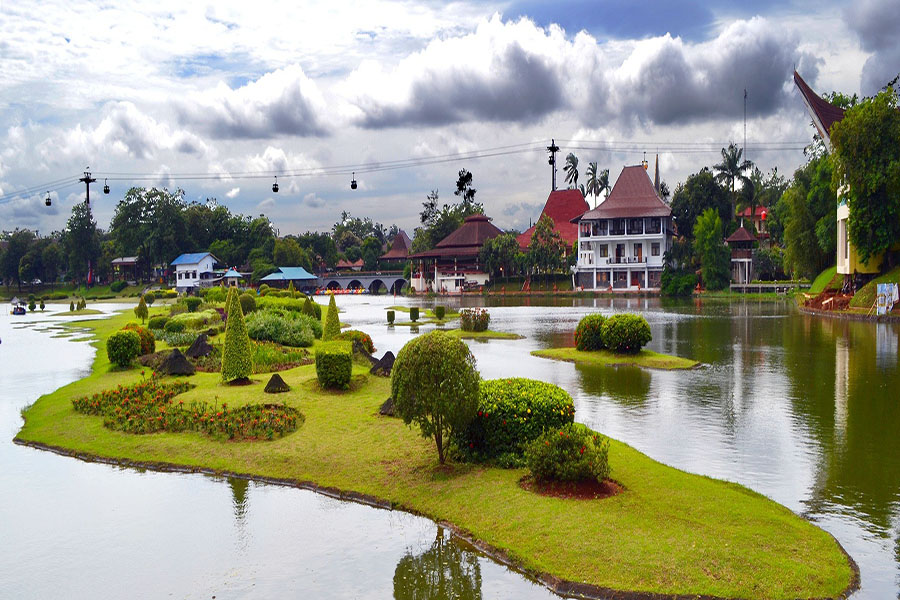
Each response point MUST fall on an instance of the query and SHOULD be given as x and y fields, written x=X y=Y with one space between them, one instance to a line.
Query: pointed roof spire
x=656 y=177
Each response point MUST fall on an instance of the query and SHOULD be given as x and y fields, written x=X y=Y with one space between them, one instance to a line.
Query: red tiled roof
x=562 y=206
x=823 y=112
x=346 y=264
x=741 y=235
x=467 y=240
x=758 y=213
x=399 y=247
x=633 y=195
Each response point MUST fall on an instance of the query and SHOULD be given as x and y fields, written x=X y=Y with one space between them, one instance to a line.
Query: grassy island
x=605 y=358
x=667 y=532
x=485 y=335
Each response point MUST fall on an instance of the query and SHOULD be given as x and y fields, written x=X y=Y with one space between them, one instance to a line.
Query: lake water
x=802 y=409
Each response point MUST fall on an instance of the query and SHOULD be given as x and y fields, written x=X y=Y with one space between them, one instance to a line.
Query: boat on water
x=18 y=306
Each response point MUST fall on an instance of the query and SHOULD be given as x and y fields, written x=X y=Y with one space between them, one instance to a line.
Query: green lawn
x=644 y=358
x=485 y=335
x=825 y=280
x=865 y=297
x=668 y=532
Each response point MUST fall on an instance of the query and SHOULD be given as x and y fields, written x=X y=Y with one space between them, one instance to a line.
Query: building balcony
x=626 y=260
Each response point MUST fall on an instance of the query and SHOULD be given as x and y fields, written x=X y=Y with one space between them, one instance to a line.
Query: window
x=620 y=252
x=654 y=249
x=617 y=227
x=638 y=250
x=585 y=246
x=600 y=227
x=652 y=225
x=603 y=250
x=635 y=226
x=602 y=279
x=180 y=274
x=584 y=229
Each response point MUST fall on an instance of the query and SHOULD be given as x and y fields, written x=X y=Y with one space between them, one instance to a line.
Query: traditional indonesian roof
x=465 y=241
x=399 y=247
x=346 y=264
x=823 y=113
x=192 y=259
x=632 y=196
x=757 y=213
x=286 y=274
x=125 y=260
x=741 y=235
x=562 y=207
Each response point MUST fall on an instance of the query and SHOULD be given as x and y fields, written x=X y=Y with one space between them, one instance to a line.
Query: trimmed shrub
x=390 y=317
x=173 y=326
x=570 y=453
x=474 y=319
x=31 y=305
x=214 y=294
x=414 y=313
x=71 y=307
x=268 y=325
x=168 y=294
x=140 y=311
x=512 y=413
x=248 y=303
x=175 y=338
x=148 y=341
x=332 y=322
x=434 y=383
x=440 y=311
x=352 y=335
x=334 y=365
x=270 y=300
x=588 y=333
x=122 y=347
x=157 y=322
x=192 y=303
x=308 y=308
x=42 y=305
x=237 y=357
x=117 y=286
x=149 y=298
x=197 y=320
x=625 y=333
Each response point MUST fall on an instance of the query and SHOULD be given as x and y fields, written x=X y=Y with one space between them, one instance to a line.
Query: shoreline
x=849 y=316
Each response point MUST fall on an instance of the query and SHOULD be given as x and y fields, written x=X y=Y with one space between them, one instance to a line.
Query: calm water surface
x=803 y=410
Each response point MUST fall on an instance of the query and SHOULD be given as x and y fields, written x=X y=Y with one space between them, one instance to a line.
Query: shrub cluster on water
x=571 y=453
x=474 y=319
x=149 y=407
x=624 y=333
x=439 y=312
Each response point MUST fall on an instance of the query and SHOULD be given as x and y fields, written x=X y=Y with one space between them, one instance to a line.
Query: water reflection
x=445 y=570
x=628 y=386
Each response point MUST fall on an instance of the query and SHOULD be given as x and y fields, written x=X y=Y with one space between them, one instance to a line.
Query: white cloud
x=233 y=192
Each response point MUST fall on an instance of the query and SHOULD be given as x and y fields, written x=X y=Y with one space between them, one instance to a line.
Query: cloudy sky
x=220 y=98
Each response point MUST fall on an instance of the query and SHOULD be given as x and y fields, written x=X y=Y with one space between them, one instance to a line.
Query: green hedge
x=248 y=303
x=122 y=347
x=197 y=320
x=269 y=325
x=157 y=322
x=192 y=303
x=626 y=333
x=439 y=312
x=569 y=453
x=588 y=333
x=334 y=364
x=511 y=413
x=214 y=294
x=148 y=341
x=414 y=313
x=173 y=326
x=117 y=286
x=391 y=315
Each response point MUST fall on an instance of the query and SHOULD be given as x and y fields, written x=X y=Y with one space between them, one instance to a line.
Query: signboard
x=887 y=296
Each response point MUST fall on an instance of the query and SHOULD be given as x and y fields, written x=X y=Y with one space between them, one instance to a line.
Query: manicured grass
x=485 y=335
x=83 y=311
x=824 y=280
x=865 y=297
x=668 y=532
x=644 y=358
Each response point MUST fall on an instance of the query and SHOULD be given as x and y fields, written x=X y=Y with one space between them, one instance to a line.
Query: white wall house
x=621 y=243
x=194 y=270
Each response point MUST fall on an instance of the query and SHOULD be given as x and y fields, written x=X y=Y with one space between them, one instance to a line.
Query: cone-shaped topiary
x=140 y=311
x=308 y=308
x=291 y=288
x=332 y=322
x=237 y=357
x=228 y=298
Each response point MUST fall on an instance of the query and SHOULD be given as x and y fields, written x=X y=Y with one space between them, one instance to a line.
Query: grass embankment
x=668 y=532
x=644 y=358
x=485 y=335
x=827 y=279
x=865 y=297
x=83 y=311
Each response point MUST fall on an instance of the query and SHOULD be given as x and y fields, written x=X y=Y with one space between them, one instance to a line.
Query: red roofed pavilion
x=452 y=265
x=563 y=206
x=399 y=252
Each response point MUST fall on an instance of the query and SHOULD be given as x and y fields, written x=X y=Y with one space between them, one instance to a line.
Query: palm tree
x=571 y=170
x=731 y=169
x=751 y=192
x=597 y=183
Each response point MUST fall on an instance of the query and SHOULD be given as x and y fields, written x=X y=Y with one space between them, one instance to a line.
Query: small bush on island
x=140 y=311
x=157 y=322
x=122 y=347
x=391 y=315
x=414 y=313
x=248 y=303
x=237 y=358
x=588 y=333
x=512 y=413
x=439 y=312
x=42 y=305
x=192 y=303
x=570 y=453
x=148 y=340
x=352 y=335
x=474 y=319
x=332 y=322
x=625 y=333
x=31 y=305
x=334 y=365
x=435 y=384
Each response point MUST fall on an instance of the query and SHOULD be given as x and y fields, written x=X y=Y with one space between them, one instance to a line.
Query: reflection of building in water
x=885 y=346
x=841 y=387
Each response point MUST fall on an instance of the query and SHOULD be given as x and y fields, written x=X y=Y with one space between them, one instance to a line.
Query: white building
x=621 y=243
x=195 y=270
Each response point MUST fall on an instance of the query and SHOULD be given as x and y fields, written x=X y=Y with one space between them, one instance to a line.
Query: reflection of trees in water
x=446 y=570
x=626 y=385
x=239 y=488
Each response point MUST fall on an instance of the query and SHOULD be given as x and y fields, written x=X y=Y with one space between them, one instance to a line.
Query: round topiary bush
x=352 y=335
x=439 y=312
x=588 y=334
x=148 y=341
x=150 y=298
x=390 y=317
x=513 y=412
x=248 y=303
x=570 y=453
x=414 y=313
x=122 y=347
x=157 y=322
x=192 y=303
x=434 y=383
x=625 y=333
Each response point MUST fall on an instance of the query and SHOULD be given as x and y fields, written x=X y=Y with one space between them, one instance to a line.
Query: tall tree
x=571 y=170
x=698 y=193
x=499 y=255
x=546 y=252
x=19 y=243
x=730 y=170
x=808 y=210
x=867 y=159
x=710 y=246
x=597 y=181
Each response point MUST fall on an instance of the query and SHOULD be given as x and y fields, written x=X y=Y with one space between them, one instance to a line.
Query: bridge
x=390 y=282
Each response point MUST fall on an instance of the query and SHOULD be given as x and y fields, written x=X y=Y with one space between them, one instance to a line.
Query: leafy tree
x=465 y=192
x=51 y=259
x=370 y=252
x=81 y=241
x=808 y=210
x=711 y=250
x=546 y=250
x=19 y=243
x=440 y=221
x=571 y=170
x=698 y=193
x=730 y=170
x=141 y=311
x=499 y=254
x=434 y=383
x=867 y=159
x=288 y=253
x=597 y=182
